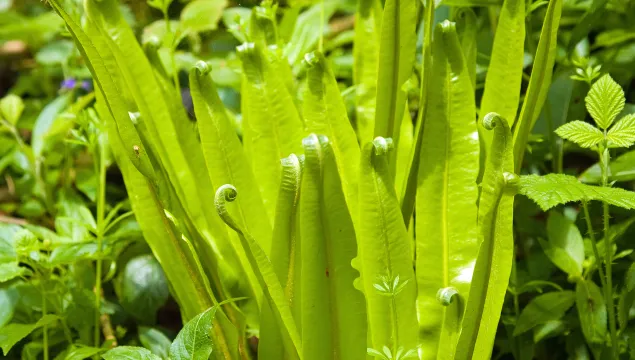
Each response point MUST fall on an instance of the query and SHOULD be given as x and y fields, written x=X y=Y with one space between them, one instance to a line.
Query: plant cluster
x=318 y=180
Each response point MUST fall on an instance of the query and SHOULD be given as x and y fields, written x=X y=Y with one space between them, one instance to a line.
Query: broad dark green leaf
x=143 y=288
x=447 y=193
x=385 y=254
x=12 y=333
x=544 y=308
x=82 y=352
x=325 y=113
x=494 y=262
x=366 y=55
x=592 y=311
x=396 y=58
x=556 y=189
x=155 y=341
x=504 y=74
x=272 y=126
x=540 y=80
x=8 y=302
x=565 y=247
x=129 y=353
x=333 y=312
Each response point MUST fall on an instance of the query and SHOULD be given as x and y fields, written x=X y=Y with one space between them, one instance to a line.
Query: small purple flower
x=87 y=85
x=68 y=84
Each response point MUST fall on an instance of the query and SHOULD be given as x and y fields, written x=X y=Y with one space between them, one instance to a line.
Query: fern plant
x=313 y=253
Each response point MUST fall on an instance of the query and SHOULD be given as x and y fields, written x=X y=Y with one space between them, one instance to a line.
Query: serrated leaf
x=581 y=133
x=130 y=353
x=622 y=134
x=605 y=101
x=544 y=308
x=194 y=341
x=12 y=333
x=556 y=189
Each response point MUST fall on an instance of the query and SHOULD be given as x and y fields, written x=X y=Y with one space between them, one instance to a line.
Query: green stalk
x=175 y=70
x=596 y=253
x=45 y=340
x=101 y=202
x=604 y=164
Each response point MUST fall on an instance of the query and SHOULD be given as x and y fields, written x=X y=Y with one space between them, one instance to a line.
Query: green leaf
x=8 y=303
x=565 y=247
x=155 y=341
x=447 y=194
x=505 y=71
x=70 y=253
x=11 y=107
x=556 y=189
x=584 y=24
x=581 y=133
x=365 y=65
x=396 y=59
x=622 y=134
x=540 y=80
x=45 y=121
x=272 y=126
x=385 y=254
x=263 y=269
x=333 y=312
x=591 y=310
x=82 y=352
x=129 y=353
x=12 y=270
x=605 y=101
x=309 y=26
x=467 y=28
x=626 y=298
x=201 y=15
x=12 y=333
x=494 y=262
x=144 y=288
x=194 y=341
x=544 y=308
x=325 y=113
x=285 y=258
x=622 y=168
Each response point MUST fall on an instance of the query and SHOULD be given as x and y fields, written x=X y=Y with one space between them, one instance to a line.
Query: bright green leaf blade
x=622 y=168
x=385 y=254
x=565 y=247
x=622 y=133
x=544 y=308
x=396 y=58
x=309 y=26
x=556 y=189
x=494 y=262
x=263 y=269
x=366 y=59
x=12 y=333
x=581 y=133
x=605 y=101
x=504 y=75
x=285 y=257
x=333 y=311
x=11 y=270
x=224 y=155
x=467 y=28
x=82 y=352
x=591 y=310
x=130 y=353
x=540 y=80
x=447 y=193
x=272 y=126
x=325 y=113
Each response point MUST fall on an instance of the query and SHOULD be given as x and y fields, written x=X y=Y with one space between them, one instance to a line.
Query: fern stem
x=604 y=164
x=596 y=253
x=101 y=202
